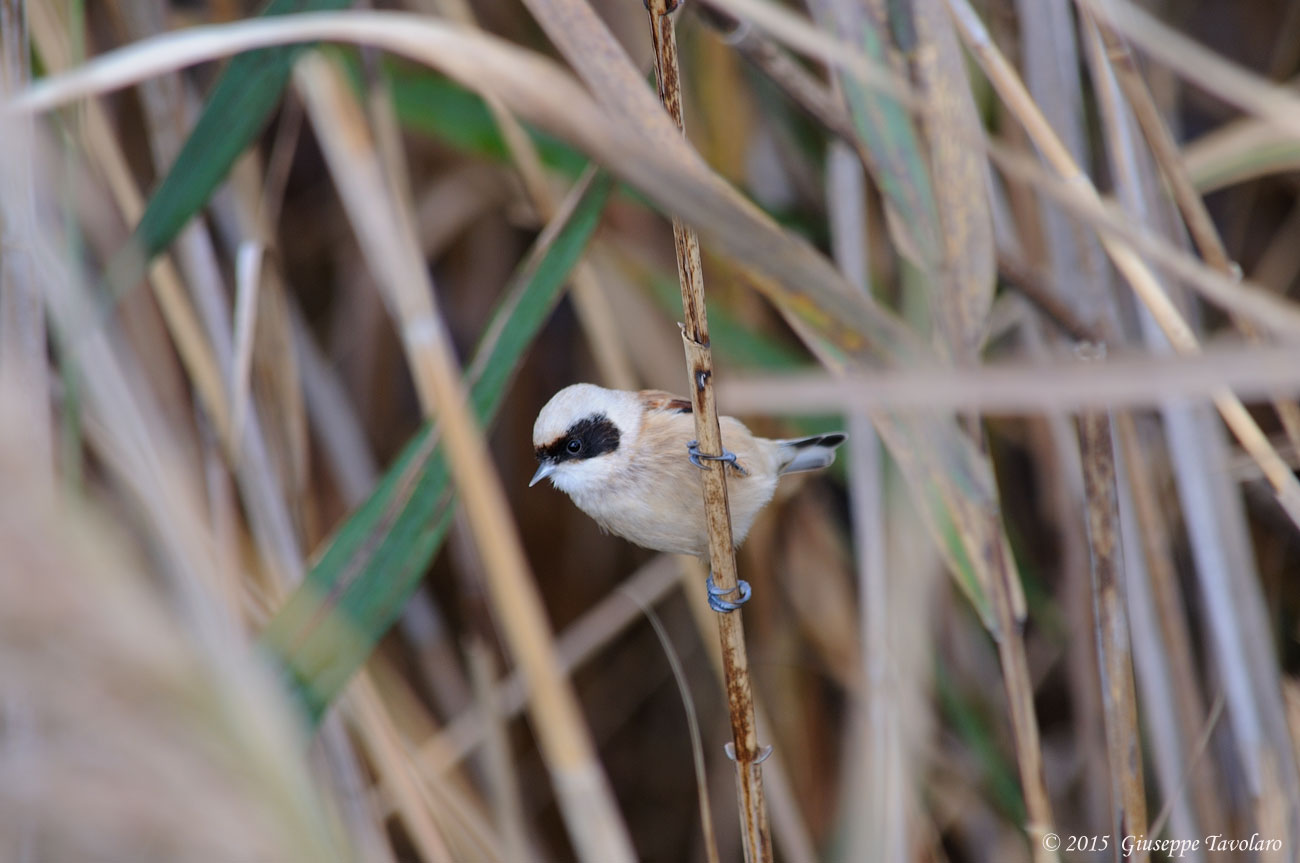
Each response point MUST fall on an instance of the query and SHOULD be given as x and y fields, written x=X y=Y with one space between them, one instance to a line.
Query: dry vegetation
x=274 y=329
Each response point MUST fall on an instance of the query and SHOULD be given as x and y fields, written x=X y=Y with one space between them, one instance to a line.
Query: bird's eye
x=574 y=446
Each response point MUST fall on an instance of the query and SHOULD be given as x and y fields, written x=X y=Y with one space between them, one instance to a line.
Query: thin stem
x=1008 y=605
x=722 y=555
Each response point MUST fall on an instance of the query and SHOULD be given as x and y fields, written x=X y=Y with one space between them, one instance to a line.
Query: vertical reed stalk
x=722 y=555
x=1114 y=653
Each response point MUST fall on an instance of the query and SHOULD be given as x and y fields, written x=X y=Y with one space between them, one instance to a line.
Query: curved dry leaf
x=662 y=165
x=1245 y=149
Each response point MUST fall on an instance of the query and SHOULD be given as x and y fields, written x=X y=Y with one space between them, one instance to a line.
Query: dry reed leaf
x=800 y=279
x=1162 y=641
x=1244 y=149
x=1116 y=70
x=960 y=176
x=447 y=206
x=503 y=781
x=581 y=642
x=1261 y=307
x=800 y=34
x=23 y=344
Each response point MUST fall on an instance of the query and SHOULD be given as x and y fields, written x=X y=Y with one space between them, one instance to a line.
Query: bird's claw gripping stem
x=698 y=458
x=716 y=594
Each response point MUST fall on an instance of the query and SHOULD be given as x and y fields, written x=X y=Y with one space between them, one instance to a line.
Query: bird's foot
x=763 y=754
x=698 y=458
x=716 y=594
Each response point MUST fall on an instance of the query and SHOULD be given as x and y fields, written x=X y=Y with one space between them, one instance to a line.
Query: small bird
x=627 y=459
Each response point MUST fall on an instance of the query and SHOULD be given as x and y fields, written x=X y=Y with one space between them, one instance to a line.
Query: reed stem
x=722 y=555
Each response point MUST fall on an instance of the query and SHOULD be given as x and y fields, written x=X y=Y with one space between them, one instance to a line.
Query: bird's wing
x=660 y=401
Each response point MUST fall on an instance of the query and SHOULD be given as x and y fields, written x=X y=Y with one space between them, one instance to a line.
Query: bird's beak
x=544 y=470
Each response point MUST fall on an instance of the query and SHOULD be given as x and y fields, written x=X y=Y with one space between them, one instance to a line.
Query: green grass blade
x=435 y=106
x=898 y=166
x=357 y=589
x=239 y=107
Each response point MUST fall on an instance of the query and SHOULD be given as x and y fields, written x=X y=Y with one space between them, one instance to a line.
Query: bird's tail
x=808 y=453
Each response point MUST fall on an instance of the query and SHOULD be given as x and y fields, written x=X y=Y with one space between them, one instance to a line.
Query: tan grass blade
x=790 y=831
x=800 y=34
x=797 y=277
x=1263 y=308
x=1024 y=388
x=693 y=725
x=280 y=401
x=208 y=695
x=164 y=101
x=386 y=752
x=503 y=783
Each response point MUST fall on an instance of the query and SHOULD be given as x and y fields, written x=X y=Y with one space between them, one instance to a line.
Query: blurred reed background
x=260 y=317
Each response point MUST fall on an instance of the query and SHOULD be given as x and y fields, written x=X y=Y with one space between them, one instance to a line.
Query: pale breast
x=658 y=501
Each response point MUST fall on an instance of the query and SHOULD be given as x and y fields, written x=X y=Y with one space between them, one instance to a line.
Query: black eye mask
x=587 y=438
